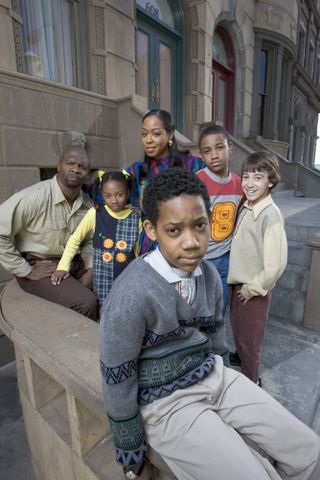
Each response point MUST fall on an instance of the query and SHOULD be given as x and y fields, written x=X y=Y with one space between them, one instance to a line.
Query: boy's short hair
x=212 y=130
x=258 y=161
x=174 y=182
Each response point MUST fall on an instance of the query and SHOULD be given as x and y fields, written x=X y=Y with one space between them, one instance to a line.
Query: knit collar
x=217 y=179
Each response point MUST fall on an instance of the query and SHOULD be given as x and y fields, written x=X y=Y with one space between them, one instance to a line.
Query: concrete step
x=294 y=277
x=299 y=254
x=283 y=193
x=300 y=233
x=287 y=304
x=292 y=385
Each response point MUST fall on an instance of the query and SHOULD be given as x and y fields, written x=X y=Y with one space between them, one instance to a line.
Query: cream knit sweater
x=259 y=248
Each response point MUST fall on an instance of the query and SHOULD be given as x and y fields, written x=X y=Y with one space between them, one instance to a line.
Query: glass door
x=159 y=65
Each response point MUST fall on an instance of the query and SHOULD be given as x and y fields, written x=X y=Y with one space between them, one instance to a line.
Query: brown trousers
x=70 y=293
x=248 y=324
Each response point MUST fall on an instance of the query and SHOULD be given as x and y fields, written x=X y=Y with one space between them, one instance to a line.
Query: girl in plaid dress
x=115 y=229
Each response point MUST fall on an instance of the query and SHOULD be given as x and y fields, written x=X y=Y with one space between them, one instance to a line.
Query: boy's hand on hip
x=241 y=298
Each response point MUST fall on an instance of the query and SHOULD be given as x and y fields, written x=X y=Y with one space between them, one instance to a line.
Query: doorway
x=159 y=47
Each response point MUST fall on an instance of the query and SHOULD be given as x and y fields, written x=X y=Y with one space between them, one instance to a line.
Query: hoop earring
x=170 y=143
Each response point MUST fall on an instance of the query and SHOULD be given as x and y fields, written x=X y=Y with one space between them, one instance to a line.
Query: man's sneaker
x=234 y=359
x=259 y=382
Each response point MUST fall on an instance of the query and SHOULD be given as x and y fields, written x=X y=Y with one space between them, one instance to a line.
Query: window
x=301 y=45
x=263 y=67
x=54 y=40
x=311 y=60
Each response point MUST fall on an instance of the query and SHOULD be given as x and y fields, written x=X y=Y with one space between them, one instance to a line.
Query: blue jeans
x=222 y=265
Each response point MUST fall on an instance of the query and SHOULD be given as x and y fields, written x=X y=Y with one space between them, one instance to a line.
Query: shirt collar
x=118 y=215
x=259 y=207
x=157 y=261
x=58 y=196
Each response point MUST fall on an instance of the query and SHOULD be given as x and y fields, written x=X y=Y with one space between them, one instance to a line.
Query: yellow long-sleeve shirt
x=259 y=248
x=84 y=230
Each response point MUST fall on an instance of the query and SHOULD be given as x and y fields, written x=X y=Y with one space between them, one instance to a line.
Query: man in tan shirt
x=34 y=229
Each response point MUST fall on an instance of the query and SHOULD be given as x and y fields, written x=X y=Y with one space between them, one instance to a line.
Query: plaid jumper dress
x=113 y=243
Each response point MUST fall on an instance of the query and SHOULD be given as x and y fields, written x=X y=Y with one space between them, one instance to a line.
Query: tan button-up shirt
x=39 y=220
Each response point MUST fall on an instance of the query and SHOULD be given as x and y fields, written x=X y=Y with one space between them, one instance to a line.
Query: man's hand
x=42 y=269
x=87 y=279
x=58 y=276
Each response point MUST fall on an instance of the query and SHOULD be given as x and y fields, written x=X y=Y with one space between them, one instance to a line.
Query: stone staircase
x=302 y=217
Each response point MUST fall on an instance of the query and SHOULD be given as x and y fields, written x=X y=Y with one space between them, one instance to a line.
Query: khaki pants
x=199 y=431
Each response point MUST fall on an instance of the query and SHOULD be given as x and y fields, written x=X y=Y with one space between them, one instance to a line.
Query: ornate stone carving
x=73 y=137
x=274 y=17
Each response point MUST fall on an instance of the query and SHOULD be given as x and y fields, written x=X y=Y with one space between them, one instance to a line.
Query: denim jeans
x=222 y=265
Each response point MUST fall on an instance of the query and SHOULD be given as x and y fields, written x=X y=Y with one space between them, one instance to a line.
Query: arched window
x=223 y=79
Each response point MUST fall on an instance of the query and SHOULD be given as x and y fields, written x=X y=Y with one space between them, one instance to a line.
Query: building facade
x=94 y=66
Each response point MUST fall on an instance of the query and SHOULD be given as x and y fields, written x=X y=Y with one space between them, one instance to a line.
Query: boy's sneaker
x=259 y=382
x=234 y=359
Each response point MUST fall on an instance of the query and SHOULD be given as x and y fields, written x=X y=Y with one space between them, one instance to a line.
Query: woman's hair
x=211 y=130
x=258 y=161
x=174 y=153
x=127 y=180
x=170 y=184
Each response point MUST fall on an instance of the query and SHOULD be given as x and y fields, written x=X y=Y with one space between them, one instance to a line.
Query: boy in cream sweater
x=258 y=257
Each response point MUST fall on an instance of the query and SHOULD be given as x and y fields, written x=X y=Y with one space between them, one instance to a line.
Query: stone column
x=275 y=94
x=311 y=317
x=291 y=142
x=302 y=145
x=7 y=48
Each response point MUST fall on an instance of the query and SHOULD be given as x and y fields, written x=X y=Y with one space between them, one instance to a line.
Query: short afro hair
x=172 y=183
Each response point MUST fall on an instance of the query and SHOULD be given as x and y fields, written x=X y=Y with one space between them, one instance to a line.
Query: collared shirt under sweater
x=152 y=343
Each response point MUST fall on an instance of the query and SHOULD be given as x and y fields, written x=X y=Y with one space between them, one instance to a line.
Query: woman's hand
x=58 y=276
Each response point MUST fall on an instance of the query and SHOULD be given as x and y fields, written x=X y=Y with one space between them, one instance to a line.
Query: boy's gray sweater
x=153 y=342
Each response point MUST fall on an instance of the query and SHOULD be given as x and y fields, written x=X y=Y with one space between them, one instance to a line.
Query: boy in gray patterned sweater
x=163 y=385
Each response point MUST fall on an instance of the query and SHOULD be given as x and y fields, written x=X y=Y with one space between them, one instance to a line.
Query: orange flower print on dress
x=108 y=243
x=121 y=257
x=121 y=245
x=106 y=257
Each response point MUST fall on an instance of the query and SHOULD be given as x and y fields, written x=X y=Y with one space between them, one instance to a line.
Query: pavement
x=290 y=372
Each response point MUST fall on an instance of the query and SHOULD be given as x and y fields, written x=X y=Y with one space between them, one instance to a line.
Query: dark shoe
x=259 y=382
x=234 y=359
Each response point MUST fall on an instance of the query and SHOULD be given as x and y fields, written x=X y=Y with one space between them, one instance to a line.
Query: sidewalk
x=289 y=372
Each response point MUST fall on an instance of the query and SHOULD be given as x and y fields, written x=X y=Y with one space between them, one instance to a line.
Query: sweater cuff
x=129 y=438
